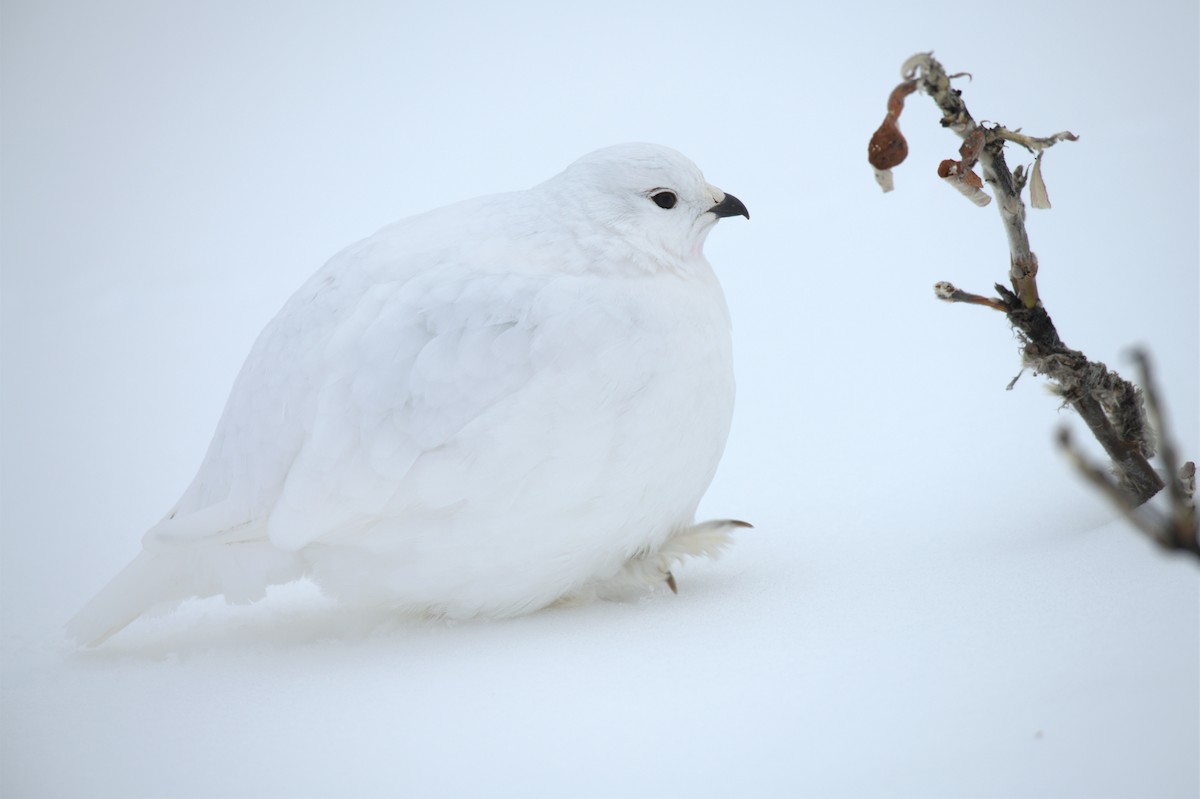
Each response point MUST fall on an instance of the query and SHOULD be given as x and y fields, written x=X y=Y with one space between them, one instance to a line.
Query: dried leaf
x=972 y=146
x=1038 y=198
x=964 y=180
x=884 y=178
x=888 y=147
x=1033 y=143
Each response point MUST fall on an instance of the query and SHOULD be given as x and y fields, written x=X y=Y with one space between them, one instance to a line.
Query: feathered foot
x=705 y=540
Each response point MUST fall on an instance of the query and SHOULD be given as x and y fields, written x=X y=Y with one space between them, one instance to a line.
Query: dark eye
x=664 y=199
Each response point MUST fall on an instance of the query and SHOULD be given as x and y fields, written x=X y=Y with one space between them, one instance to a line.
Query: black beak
x=730 y=206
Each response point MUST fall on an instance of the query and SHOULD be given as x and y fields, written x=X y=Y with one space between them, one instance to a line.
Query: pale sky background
x=930 y=604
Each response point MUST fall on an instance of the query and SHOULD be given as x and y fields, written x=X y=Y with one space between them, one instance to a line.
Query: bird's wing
x=386 y=375
x=333 y=407
x=415 y=363
x=263 y=425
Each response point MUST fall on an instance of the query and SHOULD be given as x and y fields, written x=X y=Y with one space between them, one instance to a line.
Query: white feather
x=476 y=411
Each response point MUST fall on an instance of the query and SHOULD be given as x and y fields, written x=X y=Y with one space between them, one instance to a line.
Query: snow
x=930 y=603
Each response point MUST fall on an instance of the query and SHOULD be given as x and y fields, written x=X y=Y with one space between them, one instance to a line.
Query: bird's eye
x=664 y=199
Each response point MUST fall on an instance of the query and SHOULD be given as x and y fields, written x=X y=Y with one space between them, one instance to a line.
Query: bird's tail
x=240 y=571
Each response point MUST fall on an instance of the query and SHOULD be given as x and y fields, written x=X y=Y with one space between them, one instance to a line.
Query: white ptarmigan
x=477 y=411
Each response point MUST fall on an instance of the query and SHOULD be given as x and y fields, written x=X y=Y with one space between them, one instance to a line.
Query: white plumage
x=479 y=410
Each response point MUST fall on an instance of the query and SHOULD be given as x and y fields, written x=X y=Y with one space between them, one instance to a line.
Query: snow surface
x=930 y=604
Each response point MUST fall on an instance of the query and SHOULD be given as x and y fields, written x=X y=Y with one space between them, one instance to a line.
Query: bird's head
x=654 y=198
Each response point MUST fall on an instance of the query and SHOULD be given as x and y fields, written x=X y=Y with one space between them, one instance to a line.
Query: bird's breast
x=644 y=374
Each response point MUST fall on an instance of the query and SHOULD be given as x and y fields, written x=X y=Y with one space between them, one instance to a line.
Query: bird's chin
x=697 y=251
x=704 y=226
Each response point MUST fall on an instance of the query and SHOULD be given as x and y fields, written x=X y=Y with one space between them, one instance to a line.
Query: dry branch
x=1176 y=529
x=1112 y=407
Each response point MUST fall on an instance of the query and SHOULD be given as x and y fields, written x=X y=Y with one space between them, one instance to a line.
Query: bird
x=477 y=412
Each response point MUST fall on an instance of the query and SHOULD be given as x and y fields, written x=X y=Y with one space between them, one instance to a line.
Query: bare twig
x=951 y=293
x=1177 y=528
x=1111 y=406
x=1102 y=482
x=1181 y=480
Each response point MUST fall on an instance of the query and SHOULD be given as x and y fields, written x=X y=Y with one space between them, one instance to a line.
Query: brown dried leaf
x=964 y=180
x=888 y=147
x=896 y=98
x=972 y=146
